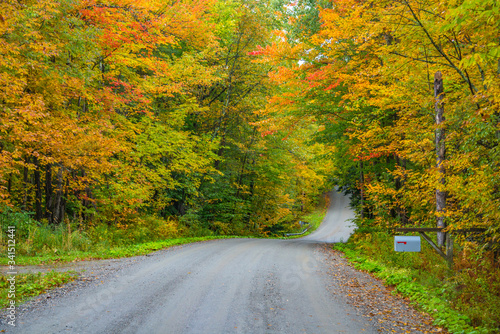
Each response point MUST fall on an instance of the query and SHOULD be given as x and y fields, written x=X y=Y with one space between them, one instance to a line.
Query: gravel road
x=227 y=286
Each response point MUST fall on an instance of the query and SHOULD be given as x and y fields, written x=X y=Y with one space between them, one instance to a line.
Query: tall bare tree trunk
x=48 y=192
x=399 y=184
x=38 y=190
x=25 y=183
x=441 y=155
x=58 y=208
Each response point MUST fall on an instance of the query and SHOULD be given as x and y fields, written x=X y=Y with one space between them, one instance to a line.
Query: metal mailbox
x=403 y=243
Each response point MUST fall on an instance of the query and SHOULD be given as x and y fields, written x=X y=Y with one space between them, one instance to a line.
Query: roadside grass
x=37 y=243
x=314 y=218
x=464 y=300
x=100 y=252
x=31 y=285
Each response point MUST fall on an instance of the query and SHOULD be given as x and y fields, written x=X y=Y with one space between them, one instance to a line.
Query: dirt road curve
x=229 y=286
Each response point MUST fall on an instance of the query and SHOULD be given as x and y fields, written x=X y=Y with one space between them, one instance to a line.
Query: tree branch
x=438 y=48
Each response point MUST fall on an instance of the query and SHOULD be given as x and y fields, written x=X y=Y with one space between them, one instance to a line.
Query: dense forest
x=232 y=117
x=145 y=115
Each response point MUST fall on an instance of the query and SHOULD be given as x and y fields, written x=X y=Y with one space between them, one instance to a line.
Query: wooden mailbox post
x=447 y=254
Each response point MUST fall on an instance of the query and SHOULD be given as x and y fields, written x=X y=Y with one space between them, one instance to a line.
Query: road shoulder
x=372 y=299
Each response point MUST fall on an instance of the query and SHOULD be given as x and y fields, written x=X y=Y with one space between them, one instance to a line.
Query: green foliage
x=33 y=238
x=299 y=18
x=21 y=220
x=315 y=218
x=30 y=285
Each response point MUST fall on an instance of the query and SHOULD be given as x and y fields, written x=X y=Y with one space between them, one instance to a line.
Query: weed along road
x=222 y=286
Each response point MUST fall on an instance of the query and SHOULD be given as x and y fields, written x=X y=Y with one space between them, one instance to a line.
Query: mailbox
x=403 y=243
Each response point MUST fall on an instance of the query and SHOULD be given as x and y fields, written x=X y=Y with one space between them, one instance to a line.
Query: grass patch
x=315 y=218
x=456 y=299
x=38 y=243
x=31 y=285
x=111 y=253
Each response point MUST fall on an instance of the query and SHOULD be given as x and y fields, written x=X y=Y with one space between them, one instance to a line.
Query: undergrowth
x=30 y=285
x=465 y=299
x=38 y=243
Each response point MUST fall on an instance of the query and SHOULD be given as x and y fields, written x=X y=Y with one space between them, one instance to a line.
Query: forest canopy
x=366 y=76
x=145 y=114
x=232 y=117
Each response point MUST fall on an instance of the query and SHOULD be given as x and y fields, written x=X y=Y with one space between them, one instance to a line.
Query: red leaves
x=322 y=77
x=316 y=76
x=267 y=133
x=255 y=53
x=332 y=86
x=260 y=51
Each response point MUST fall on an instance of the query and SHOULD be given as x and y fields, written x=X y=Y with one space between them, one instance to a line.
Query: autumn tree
x=83 y=119
x=119 y=110
x=367 y=74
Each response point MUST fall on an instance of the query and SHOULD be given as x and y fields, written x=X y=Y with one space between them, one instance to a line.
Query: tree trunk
x=244 y=162
x=9 y=184
x=48 y=191
x=62 y=212
x=58 y=205
x=399 y=183
x=440 y=154
x=361 y=188
x=240 y=177
x=38 y=190
x=25 y=183
x=220 y=151
x=88 y=200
